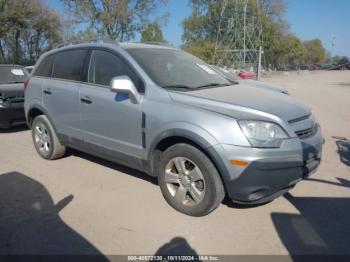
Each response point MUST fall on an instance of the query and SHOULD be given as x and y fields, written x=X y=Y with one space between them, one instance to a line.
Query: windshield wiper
x=179 y=87
x=211 y=85
x=195 y=87
x=234 y=82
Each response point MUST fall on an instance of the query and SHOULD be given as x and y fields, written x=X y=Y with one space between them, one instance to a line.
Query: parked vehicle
x=167 y=113
x=326 y=66
x=234 y=78
x=12 y=95
x=343 y=64
x=247 y=75
x=304 y=67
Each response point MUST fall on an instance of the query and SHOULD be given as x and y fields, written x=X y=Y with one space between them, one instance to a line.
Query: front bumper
x=11 y=114
x=270 y=172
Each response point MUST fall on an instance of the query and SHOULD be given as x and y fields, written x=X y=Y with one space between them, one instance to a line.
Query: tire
x=196 y=190
x=45 y=139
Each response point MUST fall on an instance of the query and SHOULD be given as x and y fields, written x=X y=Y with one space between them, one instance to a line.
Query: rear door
x=110 y=122
x=61 y=92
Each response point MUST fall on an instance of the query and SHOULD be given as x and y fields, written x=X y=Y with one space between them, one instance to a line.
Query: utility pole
x=239 y=34
x=333 y=39
x=258 y=75
x=244 y=30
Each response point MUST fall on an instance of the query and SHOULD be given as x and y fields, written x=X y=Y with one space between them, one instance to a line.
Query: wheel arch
x=173 y=137
x=37 y=110
x=33 y=113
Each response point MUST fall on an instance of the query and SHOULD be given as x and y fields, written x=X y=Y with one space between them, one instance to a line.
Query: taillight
x=26 y=83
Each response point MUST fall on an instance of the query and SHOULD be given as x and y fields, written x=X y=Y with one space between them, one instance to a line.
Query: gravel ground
x=83 y=205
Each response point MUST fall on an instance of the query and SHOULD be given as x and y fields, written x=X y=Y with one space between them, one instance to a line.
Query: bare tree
x=116 y=19
x=28 y=29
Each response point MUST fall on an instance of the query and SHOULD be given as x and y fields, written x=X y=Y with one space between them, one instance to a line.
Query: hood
x=238 y=100
x=264 y=85
x=11 y=90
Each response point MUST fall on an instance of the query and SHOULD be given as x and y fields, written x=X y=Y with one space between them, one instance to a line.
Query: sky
x=308 y=19
x=322 y=19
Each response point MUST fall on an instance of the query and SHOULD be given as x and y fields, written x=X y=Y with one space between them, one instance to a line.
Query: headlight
x=263 y=134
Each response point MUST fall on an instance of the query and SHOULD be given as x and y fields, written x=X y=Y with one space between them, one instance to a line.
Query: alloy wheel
x=185 y=181
x=42 y=138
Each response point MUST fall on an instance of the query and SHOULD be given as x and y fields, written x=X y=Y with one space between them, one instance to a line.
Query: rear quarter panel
x=33 y=94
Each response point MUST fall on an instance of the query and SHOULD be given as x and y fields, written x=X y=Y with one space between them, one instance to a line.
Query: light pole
x=333 y=39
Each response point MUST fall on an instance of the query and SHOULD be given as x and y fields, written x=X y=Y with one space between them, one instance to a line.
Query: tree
x=315 y=52
x=295 y=50
x=28 y=29
x=203 y=49
x=116 y=19
x=202 y=26
x=152 y=33
x=335 y=59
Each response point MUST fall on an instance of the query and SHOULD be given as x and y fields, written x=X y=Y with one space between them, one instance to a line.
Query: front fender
x=184 y=130
x=195 y=134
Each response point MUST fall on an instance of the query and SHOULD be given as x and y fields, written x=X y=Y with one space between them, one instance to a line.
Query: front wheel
x=45 y=139
x=189 y=180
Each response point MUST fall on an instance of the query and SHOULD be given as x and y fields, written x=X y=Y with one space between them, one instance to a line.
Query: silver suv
x=167 y=113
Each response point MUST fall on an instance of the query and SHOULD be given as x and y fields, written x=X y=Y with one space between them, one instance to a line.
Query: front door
x=110 y=122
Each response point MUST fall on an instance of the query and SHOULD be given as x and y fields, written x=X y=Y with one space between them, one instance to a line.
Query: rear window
x=45 y=67
x=68 y=64
x=12 y=74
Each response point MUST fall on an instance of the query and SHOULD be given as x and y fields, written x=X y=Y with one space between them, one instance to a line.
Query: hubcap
x=42 y=138
x=184 y=181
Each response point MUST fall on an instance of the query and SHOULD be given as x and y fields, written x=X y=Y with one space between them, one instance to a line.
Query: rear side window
x=45 y=67
x=104 y=66
x=68 y=64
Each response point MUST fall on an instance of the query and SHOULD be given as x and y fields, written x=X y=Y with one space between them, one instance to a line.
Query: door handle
x=86 y=100
x=47 y=91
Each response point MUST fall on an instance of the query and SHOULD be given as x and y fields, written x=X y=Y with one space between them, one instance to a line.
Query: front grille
x=299 y=119
x=302 y=134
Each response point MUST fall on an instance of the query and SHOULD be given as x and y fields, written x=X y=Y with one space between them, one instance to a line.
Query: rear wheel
x=45 y=139
x=189 y=181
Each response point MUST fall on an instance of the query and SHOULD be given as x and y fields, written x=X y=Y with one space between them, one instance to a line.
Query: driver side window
x=104 y=66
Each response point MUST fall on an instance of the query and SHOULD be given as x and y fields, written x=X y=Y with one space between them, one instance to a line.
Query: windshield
x=12 y=74
x=170 y=68
x=226 y=73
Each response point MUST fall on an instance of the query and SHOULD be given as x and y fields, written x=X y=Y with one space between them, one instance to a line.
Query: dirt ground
x=84 y=205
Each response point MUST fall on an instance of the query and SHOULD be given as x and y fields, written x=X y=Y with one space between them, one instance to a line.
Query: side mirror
x=124 y=85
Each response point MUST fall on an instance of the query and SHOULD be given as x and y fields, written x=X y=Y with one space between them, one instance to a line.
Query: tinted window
x=104 y=66
x=68 y=64
x=45 y=67
x=12 y=74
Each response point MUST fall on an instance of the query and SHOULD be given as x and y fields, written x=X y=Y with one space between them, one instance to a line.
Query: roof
x=108 y=44
x=145 y=45
x=124 y=45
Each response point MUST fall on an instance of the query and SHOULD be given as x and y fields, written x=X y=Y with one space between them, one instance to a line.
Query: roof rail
x=86 y=41
x=157 y=43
